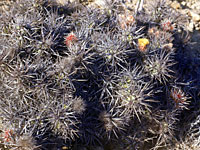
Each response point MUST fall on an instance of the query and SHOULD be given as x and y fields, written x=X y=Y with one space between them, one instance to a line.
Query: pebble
x=191 y=26
x=195 y=16
x=102 y=4
x=197 y=26
x=175 y=5
x=183 y=3
x=193 y=7
x=60 y=2
x=198 y=6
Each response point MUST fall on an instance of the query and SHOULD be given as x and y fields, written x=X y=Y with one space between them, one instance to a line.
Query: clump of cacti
x=74 y=76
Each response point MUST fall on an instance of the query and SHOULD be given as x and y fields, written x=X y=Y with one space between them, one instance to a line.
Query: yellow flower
x=142 y=43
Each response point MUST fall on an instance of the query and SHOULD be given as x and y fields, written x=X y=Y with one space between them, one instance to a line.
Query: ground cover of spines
x=73 y=76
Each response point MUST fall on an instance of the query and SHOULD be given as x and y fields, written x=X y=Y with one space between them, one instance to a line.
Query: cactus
x=77 y=76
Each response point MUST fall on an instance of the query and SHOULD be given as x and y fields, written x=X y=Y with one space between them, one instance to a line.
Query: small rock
x=191 y=26
x=184 y=11
x=198 y=6
x=102 y=4
x=183 y=3
x=175 y=5
x=193 y=7
x=195 y=16
x=60 y=2
x=197 y=28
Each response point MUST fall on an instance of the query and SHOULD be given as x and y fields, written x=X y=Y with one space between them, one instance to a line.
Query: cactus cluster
x=75 y=76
